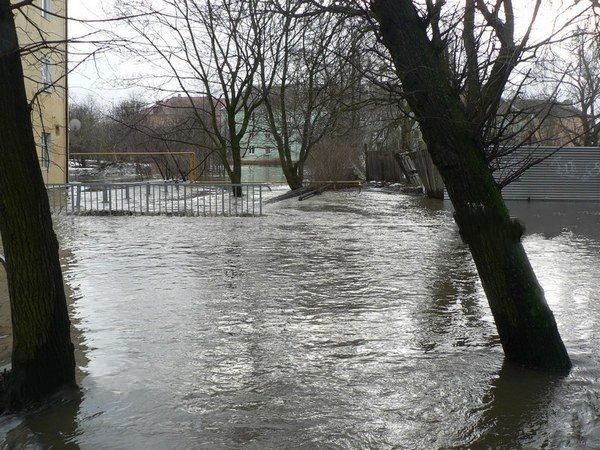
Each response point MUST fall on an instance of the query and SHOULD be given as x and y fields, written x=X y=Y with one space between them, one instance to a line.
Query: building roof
x=545 y=107
x=180 y=105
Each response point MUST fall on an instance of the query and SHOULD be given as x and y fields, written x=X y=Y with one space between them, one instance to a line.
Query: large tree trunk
x=42 y=356
x=291 y=170
x=525 y=324
x=294 y=180
x=236 y=173
x=233 y=170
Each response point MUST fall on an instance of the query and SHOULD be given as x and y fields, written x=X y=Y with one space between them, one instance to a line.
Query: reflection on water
x=350 y=320
x=53 y=426
x=262 y=174
x=553 y=218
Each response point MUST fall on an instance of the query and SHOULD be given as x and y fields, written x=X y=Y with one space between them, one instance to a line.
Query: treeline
x=317 y=86
x=125 y=133
x=158 y=137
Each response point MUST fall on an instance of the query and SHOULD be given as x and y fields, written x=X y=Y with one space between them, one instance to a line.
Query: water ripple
x=347 y=321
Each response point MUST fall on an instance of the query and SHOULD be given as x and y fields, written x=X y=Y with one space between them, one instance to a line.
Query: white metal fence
x=157 y=198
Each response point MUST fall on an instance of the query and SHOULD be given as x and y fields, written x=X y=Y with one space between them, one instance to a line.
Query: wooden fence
x=431 y=180
x=414 y=167
x=381 y=166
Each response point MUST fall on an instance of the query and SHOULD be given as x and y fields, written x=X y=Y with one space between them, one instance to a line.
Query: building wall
x=259 y=146
x=50 y=103
x=568 y=173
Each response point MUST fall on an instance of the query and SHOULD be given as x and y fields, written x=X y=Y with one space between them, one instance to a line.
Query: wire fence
x=157 y=198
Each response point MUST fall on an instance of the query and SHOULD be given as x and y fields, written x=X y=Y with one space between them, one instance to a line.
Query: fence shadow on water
x=157 y=198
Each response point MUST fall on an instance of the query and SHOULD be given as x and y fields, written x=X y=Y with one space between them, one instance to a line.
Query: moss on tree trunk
x=525 y=324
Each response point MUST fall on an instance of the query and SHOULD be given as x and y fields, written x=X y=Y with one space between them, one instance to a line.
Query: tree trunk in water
x=42 y=355
x=294 y=180
x=525 y=324
x=236 y=173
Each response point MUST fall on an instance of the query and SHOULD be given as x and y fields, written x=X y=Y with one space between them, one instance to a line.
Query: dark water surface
x=345 y=321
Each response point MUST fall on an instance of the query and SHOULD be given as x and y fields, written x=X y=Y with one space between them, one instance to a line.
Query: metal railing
x=157 y=198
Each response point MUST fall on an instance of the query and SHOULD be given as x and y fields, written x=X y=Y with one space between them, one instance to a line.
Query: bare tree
x=455 y=62
x=172 y=127
x=165 y=135
x=304 y=80
x=574 y=71
x=453 y=122
x=94 y=134
x=207 y=50
x=42 y=356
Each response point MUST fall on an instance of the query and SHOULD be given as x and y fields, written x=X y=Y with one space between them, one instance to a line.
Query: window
x=251 y=150
x=46 y=146
x=267 y=151
x=46 y=8
x=46 y=75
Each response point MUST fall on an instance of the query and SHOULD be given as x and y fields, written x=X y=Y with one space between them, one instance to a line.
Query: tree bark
x=236 y=173
x=42 y=356
x=294 y=180
x=525 y=324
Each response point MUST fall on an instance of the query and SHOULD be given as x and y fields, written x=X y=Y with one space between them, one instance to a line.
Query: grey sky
x=100 y=77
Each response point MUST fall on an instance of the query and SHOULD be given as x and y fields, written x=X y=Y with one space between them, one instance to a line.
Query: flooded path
x=346 y=321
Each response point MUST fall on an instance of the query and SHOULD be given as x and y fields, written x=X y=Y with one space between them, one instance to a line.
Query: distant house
x=259 y=145
x=184 y=124
x=179 y=110
x=180 y=114
x=540 y=122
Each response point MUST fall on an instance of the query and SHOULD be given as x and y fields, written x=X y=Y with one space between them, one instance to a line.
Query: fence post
x=223 y=200
x=70 y=191
x=78 y=201
x=184 y=200
x=148 y=198
x=367 y=165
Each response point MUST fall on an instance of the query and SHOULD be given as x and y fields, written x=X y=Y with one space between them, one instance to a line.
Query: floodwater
x=253 y=173
x=262 y=174
x=345 y=321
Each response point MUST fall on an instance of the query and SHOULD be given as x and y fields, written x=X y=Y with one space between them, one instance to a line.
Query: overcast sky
x=100 y=76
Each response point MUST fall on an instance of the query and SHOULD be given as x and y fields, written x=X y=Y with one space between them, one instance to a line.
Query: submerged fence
x=157 y=198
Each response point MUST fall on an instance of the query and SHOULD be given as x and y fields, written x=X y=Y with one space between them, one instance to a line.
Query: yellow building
x=42 y=32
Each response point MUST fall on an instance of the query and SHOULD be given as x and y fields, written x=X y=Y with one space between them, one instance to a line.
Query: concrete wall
x=50 y=105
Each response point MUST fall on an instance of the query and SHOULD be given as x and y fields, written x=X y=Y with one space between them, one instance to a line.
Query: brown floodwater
x=345 y=321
